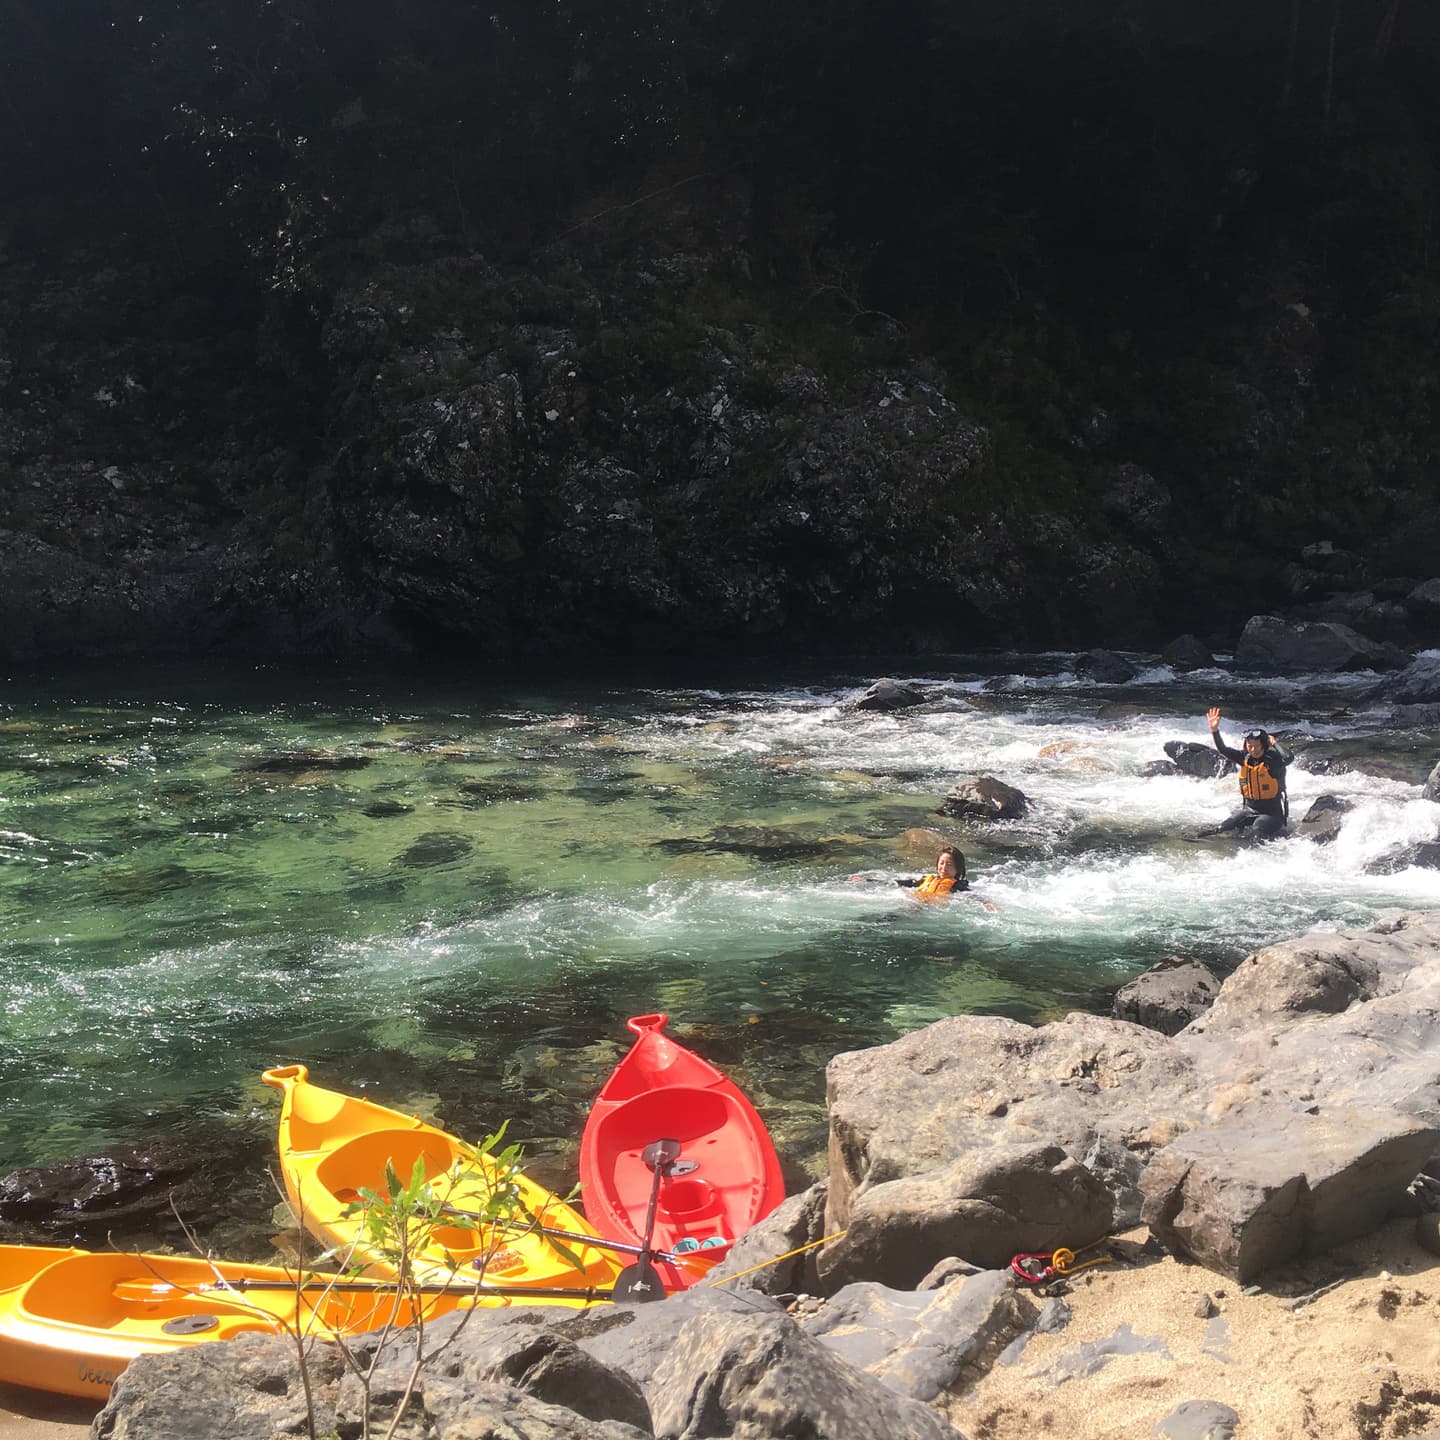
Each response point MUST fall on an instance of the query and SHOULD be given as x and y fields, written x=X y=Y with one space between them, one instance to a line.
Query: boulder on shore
x=954 y=1140
x=1168 y=996
x=1271 y=645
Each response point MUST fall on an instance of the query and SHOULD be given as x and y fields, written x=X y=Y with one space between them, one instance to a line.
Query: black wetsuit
x=1268 y=817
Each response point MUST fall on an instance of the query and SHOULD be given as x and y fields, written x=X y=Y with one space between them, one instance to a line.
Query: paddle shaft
x=373 y=1287
x=623 y=1246
x=659 y=1157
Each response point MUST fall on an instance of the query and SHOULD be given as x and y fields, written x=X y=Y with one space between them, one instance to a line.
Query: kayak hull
x=72 y=1320
x=334 y=1146
x=728 y=1176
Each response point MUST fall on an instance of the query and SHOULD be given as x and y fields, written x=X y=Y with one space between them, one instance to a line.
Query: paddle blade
x=638 y=1285
x=697 y=1262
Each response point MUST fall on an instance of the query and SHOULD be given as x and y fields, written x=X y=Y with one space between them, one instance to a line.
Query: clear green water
x=448 y=891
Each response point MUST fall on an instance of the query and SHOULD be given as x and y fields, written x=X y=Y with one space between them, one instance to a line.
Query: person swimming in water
x=947 y=879
x=1265 y=808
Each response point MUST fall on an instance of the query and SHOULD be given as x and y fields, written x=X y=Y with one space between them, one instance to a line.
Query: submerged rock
x=82 y=1200
x=435 y=847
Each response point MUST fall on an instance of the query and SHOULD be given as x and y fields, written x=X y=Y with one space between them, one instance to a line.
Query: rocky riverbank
x=1278 y=1151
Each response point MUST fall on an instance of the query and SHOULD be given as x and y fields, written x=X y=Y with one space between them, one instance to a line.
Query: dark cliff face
x=372 y=328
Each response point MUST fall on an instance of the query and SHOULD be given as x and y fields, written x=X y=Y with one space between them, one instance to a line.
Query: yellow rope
x=765 y=1265
x=1063 y=1260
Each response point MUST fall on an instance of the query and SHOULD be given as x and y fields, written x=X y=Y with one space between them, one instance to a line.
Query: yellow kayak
x=71 y=1320
x=333 y=1146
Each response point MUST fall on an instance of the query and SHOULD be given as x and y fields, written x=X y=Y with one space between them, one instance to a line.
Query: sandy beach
x=1360 y=1361
x=35 y=1415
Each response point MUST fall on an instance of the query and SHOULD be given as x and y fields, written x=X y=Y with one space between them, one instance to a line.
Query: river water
x=447 y=889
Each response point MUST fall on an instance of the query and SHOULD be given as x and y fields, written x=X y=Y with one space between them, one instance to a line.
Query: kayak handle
x=647 y=1024
x=283 y=1076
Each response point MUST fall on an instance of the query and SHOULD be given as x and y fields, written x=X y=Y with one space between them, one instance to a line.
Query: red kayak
x=709 y=1187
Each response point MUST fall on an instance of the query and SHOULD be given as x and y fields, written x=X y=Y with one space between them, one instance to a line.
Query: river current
x=448 y=889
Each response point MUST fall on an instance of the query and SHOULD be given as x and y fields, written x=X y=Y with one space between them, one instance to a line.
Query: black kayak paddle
x=640 y=1283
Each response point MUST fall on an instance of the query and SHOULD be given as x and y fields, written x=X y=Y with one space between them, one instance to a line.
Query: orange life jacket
x=1256 y=781
x=933 y=887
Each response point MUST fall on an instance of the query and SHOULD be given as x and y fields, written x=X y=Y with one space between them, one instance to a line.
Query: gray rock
x=1153 y=768
x=865 y=1322
x=1414 y=717
x=973 y=1085
x=1054 y=1317
x=797 y=1221
x=1094 y=1355
x=1241 y=1197
x=888 y=695
x=1118 y=1170
x=1325 y=974
x=1105 y=667
x=1186 y=653
x=952 y=1267
x=518 y=1348
x=1425 y=856
x=1321 y=822
x=243 y=1389
x=1168 y=996
x=986 y=798
x=1199 y=1420
x=1417 y=684
x=1270 y=645
x=760 y=1375
x=637 y=1338
x=1200 y=762
x=982 y=1207
x=959 y=1337
x=1431 y=789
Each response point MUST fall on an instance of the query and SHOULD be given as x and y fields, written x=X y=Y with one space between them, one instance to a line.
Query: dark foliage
x=1195 y=238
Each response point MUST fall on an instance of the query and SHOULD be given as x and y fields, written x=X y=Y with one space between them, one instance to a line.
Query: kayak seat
x=360 y=1161
x=687 y=1113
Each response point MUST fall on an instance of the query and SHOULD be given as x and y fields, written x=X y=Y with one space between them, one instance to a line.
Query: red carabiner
x=1020 y=1265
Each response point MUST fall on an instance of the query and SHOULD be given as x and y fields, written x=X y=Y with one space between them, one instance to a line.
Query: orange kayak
x=333 y=1146
x=72 y=1320
x=726 y=1177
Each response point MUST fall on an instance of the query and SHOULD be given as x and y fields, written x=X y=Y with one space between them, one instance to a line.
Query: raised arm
x=1213 y=716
